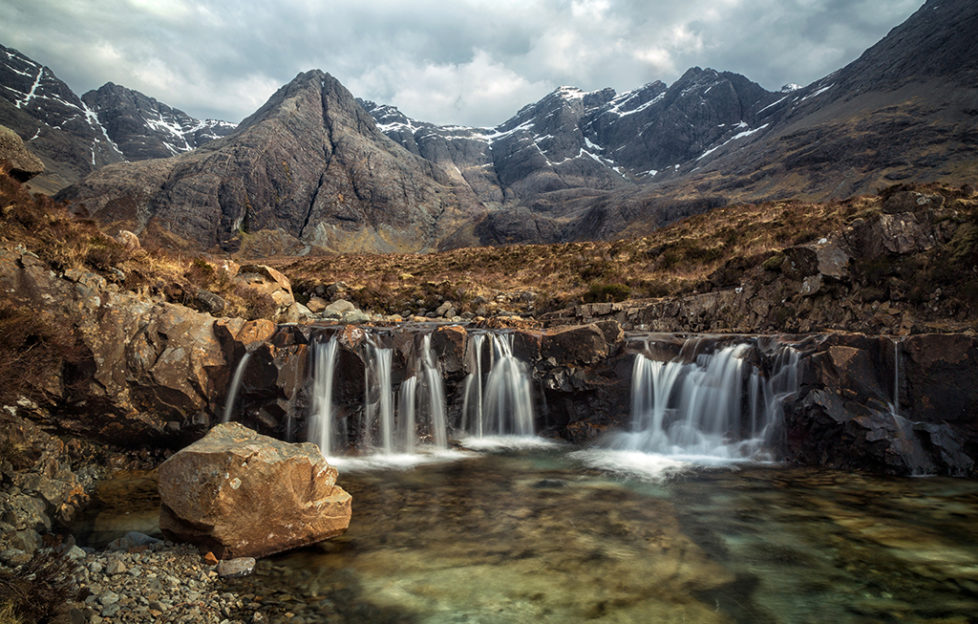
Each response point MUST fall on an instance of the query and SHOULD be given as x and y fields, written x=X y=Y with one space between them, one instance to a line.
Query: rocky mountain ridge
x=76 y=135
x=903 y=111
x=143 y=127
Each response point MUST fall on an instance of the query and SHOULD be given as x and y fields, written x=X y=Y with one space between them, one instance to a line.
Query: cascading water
x=379 y=399
x=437 y=422
x=895 y=404
x=321 y=427
x=420 y=412
x=698 y=408
x=407 y=425
x=235 y=386
x=504 y=404
x=472 y=417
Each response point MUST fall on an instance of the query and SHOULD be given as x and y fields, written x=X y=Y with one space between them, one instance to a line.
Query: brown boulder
x=268 y=281
x=15 y=159
x=240 y=494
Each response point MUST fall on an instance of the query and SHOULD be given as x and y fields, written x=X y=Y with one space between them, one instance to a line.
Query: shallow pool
x=540 y=535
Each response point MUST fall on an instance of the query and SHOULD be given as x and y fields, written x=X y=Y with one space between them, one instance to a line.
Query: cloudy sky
x=473 y=62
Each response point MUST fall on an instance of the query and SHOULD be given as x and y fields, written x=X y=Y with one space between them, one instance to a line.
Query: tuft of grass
x=35 y=592
x=607 y=293
x=8 y=615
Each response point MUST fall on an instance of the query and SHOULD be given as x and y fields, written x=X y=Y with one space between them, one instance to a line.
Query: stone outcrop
x=851 y=416
x=843 y=417
x=152 y=371
x=239 y=494
x=40 y=492
x=15 y=159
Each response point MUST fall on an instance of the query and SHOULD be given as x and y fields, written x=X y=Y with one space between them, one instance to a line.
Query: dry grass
x=8 y=615
x=36 y=592
x=675 y=260
x=64 y=242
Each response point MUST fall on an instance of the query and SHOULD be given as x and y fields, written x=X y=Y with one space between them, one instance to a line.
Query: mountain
x=906 y=110
x=310 y=163
x=55 y=123
x=143 y=128
x=575 y=165
x=74 y=135
x=571 y=147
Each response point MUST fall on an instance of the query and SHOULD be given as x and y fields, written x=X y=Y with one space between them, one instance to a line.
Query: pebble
x=108 y=598
x=164 y=583
x=115 y=567
x=75 y=553
x=231 y=568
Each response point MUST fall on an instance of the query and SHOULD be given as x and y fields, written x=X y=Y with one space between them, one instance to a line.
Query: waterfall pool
x=541 y=535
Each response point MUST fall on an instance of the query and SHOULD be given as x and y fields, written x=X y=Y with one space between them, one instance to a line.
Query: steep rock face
x=143 y=127
x=52 y=120
x=310 y=162
x=871 y=403
x=240 y=494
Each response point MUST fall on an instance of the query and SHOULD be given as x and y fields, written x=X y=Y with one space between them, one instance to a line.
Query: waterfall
x=434 y=395
x=321 y=424
x=472 y=419
x=420 y=402
x=407 y=423
x=235 y=386
x=718 y=405
x=378 y=398
x=895 y=405
x=507 y=405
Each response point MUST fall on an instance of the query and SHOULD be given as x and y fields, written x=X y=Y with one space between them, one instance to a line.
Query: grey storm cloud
x=471 y=62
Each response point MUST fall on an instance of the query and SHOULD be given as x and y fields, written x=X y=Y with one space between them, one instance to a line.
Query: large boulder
x=240 y=494
x=267 y=281
x=15 y=159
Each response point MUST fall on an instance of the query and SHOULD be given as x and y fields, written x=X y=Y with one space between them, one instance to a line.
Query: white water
x=472 y=418
x=503 y=405
x=321 y=424
x=718 y=407
x=407 y=422
x=235 y=387
x=435 y=395
x=378 y=399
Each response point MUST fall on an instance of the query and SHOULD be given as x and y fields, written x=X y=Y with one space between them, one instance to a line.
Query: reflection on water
x=538 y=536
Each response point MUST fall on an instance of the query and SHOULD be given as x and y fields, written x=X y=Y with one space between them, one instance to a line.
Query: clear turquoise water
x=537 y=536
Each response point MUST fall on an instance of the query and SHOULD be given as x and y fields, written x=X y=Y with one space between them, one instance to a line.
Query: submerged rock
x=238 y=494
